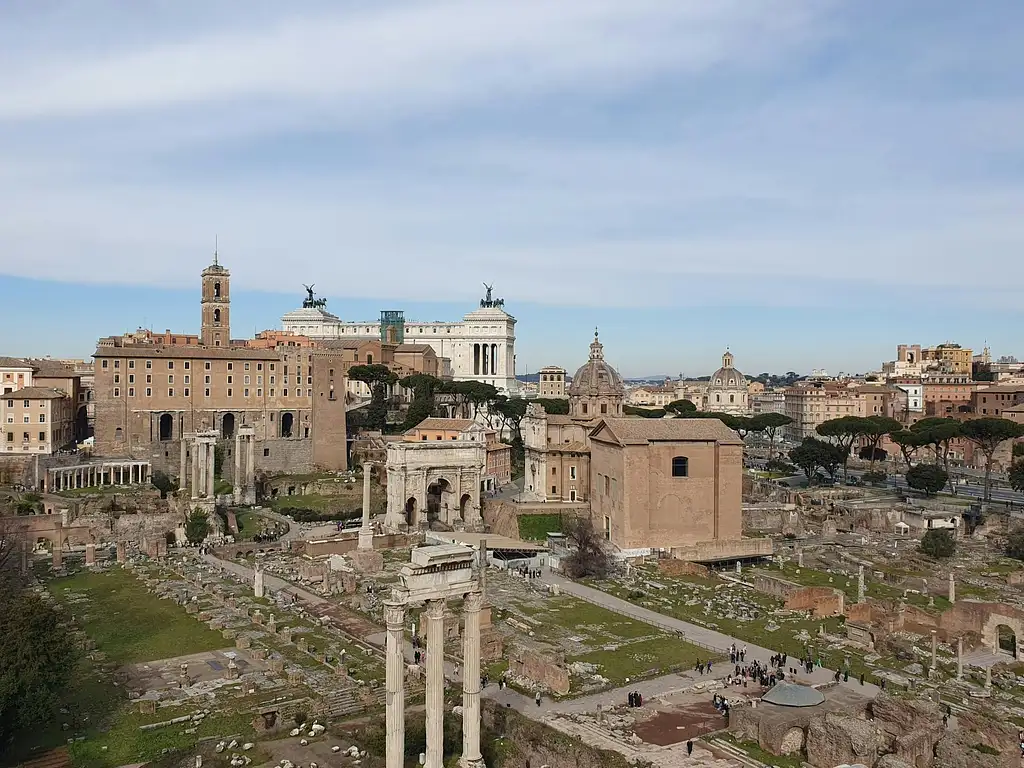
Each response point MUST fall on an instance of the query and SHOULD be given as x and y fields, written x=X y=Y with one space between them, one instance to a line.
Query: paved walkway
x=702 y=636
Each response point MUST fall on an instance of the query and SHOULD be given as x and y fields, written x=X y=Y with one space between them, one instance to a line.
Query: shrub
x=938 y=543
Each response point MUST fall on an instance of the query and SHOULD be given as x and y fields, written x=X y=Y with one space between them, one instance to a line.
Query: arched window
x=216 y=315
x=119 y=435
x=584 y=407
x=732 y=398
x=216 y=290
x=680 y=466
x=369 y=358
x=718 y=398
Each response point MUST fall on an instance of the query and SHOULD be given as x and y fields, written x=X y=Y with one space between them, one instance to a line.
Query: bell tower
x=216 y=301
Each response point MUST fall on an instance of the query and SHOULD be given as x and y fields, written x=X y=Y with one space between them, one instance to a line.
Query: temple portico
x=435 y=575
x=245 y=466
x=97 y=475
x=198 y=466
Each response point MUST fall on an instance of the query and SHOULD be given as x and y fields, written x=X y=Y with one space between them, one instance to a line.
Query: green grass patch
x=537 y=527
x=645 y=658
x=129 y=624
x=566 y=613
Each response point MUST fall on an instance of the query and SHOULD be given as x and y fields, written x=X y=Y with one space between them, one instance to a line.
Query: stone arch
x=287 y=421
x=999 y=625
x=438 y=493
x=464 y=503
x=411 y=512
x=216 y=315
x=227 y=426
x=82 y=423
x=1006 y=640
x=166 y=427
x=119 y=435
x=216 y=290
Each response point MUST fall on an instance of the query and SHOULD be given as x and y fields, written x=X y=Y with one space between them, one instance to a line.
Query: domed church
x=727 y=390
x=597 y=390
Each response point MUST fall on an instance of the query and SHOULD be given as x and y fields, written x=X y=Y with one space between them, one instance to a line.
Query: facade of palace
x=480 y=347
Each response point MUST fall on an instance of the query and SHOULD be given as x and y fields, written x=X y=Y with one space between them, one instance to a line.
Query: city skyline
x=120 y=309
x=793 y=180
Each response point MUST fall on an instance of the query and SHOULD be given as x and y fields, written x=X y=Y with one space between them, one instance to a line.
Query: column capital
x=434 y=609
x=474 y=602
x=394 y=615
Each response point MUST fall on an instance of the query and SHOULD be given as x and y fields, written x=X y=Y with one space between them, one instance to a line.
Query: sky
x=806 y=182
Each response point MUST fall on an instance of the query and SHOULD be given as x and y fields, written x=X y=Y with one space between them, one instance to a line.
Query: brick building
x=150 y=394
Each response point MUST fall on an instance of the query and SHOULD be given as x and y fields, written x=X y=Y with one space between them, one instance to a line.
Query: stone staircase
x=734 y=753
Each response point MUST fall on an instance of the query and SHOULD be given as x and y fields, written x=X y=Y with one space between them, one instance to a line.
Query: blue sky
x=809 y=183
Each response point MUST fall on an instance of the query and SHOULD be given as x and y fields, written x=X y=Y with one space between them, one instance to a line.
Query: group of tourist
x=529 y=573
x=721 y=704
x=761 y=674
x=737 y=655
x=701 y=667
x=635 y=699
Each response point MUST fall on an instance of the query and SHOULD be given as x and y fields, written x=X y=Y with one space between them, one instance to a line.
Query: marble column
x=210 y=466
x=861 y=590
x=739 y=568
x=935 y=648
x=471 y=757
x=800 y=558
x=90 y=554
x=122 y=552
x=239 y=484
x=250 y=466
x=959 y=658
x=58 y=557
x=196 y=461
x=394 y=616
x=988 y=678
x=258 y=582
x=365 y=532
x=952 y=588
x=435 y=683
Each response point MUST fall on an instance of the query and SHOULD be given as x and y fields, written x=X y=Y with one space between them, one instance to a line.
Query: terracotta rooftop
x=53 y=369
x=446 y=424
x=37 y=393
x=187 y=353
x=13 y=362
x=572 y=447
x=637 y=431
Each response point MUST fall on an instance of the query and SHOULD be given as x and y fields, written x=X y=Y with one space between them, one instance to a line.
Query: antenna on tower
x=215 y=249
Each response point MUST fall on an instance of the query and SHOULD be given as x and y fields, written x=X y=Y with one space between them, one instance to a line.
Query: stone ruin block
x=205 y=615
x=147 y=706
x=215 y=624
x=191 y=609
x=229 y=634
x=276 y=666
x=294 y=676
x=540 y=664
x=257 y=616
x=242 y=642
x=259 y=654
x=302 y=644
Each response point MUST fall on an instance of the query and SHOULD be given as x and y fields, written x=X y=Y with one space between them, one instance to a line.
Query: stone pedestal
x=258 y=583
x=90 y=555
x=394 y=617
x=959 y=658
x=232 y=671
x=434 y=614
x=57 y=555
x=471 y=757
x=122 y=552
x=952 y=589
x=935 y=648
x=367 y=561
x=861 y=590
x=24 y=558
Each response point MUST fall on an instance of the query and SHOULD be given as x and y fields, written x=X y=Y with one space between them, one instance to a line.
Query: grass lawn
x=751 y=748
x=130 y=625
x=563 y=613
x=537 y=527
x=646 y=658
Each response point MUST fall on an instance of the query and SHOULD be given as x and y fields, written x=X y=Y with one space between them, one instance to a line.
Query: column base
x=465 y=763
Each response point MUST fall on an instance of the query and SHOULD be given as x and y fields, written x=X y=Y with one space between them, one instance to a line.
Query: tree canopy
x=909 y=443
x=843 y=433
x=938 y=543
x=988 y=434
x=554 y=405
x=1016 y=475
x=929 y=478
x=813 y=454
x=590 y=555
x=197 y=527
x=873 y=429
x=681 y=407
x=1015 y=544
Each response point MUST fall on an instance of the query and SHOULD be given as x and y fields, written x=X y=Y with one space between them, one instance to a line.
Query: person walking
x=689 y=746
x=537 y=698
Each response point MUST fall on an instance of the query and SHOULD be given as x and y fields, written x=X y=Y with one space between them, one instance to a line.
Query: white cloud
x=590 y=152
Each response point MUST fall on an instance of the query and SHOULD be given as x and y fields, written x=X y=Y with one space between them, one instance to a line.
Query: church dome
x=727 y=390
x=596 y=389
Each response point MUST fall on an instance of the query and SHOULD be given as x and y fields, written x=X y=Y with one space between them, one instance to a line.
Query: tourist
x=629 y=700
x=862 y=678
x=537 y=698
x=689 y=746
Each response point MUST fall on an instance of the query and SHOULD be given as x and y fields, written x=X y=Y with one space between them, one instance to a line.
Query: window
x=131 y=392
x=266 y=451
x=42 y=437
x=187 y=379
x=207 y=380
x=170 y=365
x=207 y=365
x=170 y=378
x=604 y=408
x=272 y=379
x=131 y=364
x=272 y=367
x=584 y=408
x=554 y=489
x=259 y=379
x=259 y=393
x=230 y=379
x=271 y=391
x=131 y=378
x=117 y=391
x=229 y=391
x=117 y=378
x=246 y=393
x=231 y=366
x=149 y=378
x=246 y=379
x=186 y=391
x=149 y=363
x=42 y=418
x=104 y=363
x=259 y=366
x=149 y=392
x=187 y=365
x=247 y=366
x=207 y=393
x=680 y=466
x=572 y=473
x=170 y=392
x=284 y=392
x=25 y=418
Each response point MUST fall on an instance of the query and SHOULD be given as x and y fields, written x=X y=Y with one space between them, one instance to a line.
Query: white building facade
x=481 y=346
